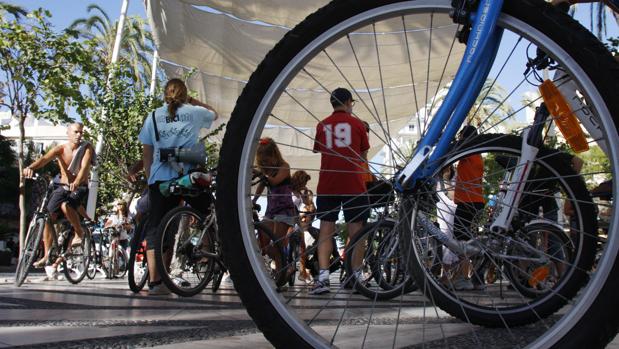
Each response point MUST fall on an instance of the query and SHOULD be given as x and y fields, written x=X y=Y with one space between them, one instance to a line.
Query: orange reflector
x=563 y=116
x=539 y=274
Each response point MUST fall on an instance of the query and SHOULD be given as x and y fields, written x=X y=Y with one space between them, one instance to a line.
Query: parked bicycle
x=431 y=67
x=109 y=257
x=75 y=259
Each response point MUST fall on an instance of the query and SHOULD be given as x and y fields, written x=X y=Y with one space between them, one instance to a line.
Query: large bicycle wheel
x=77 y=260
x=29 y=251
x=185 y=238
x=137 y=267
x=399 y=58
x=382 y=272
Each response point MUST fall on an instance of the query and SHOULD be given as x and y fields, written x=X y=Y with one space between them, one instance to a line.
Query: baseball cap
x=340 y=95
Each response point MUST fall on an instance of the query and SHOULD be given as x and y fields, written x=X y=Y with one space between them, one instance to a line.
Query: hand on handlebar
x=132 y=177
x=28 y=172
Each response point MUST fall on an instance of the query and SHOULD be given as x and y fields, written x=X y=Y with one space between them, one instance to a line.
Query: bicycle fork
x=507 y=202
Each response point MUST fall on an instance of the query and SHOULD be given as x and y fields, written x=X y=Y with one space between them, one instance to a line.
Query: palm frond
x=15 y=10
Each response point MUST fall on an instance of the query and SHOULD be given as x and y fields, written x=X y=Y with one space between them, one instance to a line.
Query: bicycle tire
x=381 y=291
x=172 y=221
x=543 y=307
x=85 y=260
x=137 y=284
x=28 y=253
x=521 y=282
x=121 y=262
x=279 y=277
x=584 y=52
x=217 y=278
x=92 y=266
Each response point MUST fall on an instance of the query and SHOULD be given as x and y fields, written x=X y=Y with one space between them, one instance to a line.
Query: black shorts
x=61 y=195
x=356 y=207
x=464 y=217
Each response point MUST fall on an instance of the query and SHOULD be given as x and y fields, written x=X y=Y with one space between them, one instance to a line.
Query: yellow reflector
x=538 y=275
x=563 y=116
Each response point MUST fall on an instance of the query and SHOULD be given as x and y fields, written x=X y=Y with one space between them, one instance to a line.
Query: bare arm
x=194 y=101
x=282 y=173
x=84 y=169
x=259 y=191
x=42 y=161
x=147 y=158
x=135 y=169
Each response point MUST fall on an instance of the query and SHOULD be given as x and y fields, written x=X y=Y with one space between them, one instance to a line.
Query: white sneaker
x=159 y=290
x=179 y=281
x=226 y=279
x=51 y=272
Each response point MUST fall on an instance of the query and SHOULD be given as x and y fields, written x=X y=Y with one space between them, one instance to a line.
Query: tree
x=125 y=108
x=136 y=42
x=16 y=11
x=8 y=169
x=42 y=73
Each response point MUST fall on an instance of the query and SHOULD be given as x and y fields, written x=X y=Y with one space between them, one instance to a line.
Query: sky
x=64 y=12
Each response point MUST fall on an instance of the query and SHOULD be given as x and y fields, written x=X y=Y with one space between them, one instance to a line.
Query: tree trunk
x=22 y=183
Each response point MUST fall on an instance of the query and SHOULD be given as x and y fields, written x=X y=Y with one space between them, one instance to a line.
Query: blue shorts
x=356 y=207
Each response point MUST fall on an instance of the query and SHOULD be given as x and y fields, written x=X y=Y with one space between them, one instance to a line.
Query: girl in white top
x=120 y=221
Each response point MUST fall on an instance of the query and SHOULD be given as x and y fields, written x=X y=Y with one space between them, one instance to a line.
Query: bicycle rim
x=77 y=261
x=267 y=113
x=188 y=272
x=29 y=252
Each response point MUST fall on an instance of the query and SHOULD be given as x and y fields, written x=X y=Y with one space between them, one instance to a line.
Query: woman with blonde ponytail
x=176 y=124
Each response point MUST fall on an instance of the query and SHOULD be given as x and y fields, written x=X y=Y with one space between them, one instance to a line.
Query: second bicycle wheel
x=381 y=272
x=183 y=240
x=398 y=58
x=77 y=259
x=137 y=267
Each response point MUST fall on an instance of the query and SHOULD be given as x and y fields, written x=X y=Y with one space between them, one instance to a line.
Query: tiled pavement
x=105 y=313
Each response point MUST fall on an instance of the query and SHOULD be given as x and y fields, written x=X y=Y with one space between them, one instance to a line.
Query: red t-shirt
x=341 y=139
x=469 y=180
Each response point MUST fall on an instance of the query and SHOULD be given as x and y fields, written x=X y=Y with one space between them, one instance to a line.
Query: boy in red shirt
x=343 y=143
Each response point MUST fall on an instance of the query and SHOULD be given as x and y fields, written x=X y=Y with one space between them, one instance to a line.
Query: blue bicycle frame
x=478 y=58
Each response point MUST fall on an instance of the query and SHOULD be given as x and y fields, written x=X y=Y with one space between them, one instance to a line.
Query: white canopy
x=226 y=47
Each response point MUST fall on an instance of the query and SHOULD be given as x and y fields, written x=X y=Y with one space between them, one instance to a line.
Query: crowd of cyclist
x=342 y=141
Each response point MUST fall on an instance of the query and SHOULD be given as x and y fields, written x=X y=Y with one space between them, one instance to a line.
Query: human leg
x=74 y=219
x=465 y=212
x=356 y=214
x=47 y=245
x=325 y=246
x=159 y=205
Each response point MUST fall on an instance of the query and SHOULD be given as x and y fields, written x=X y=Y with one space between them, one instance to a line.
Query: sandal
x=40 y=263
